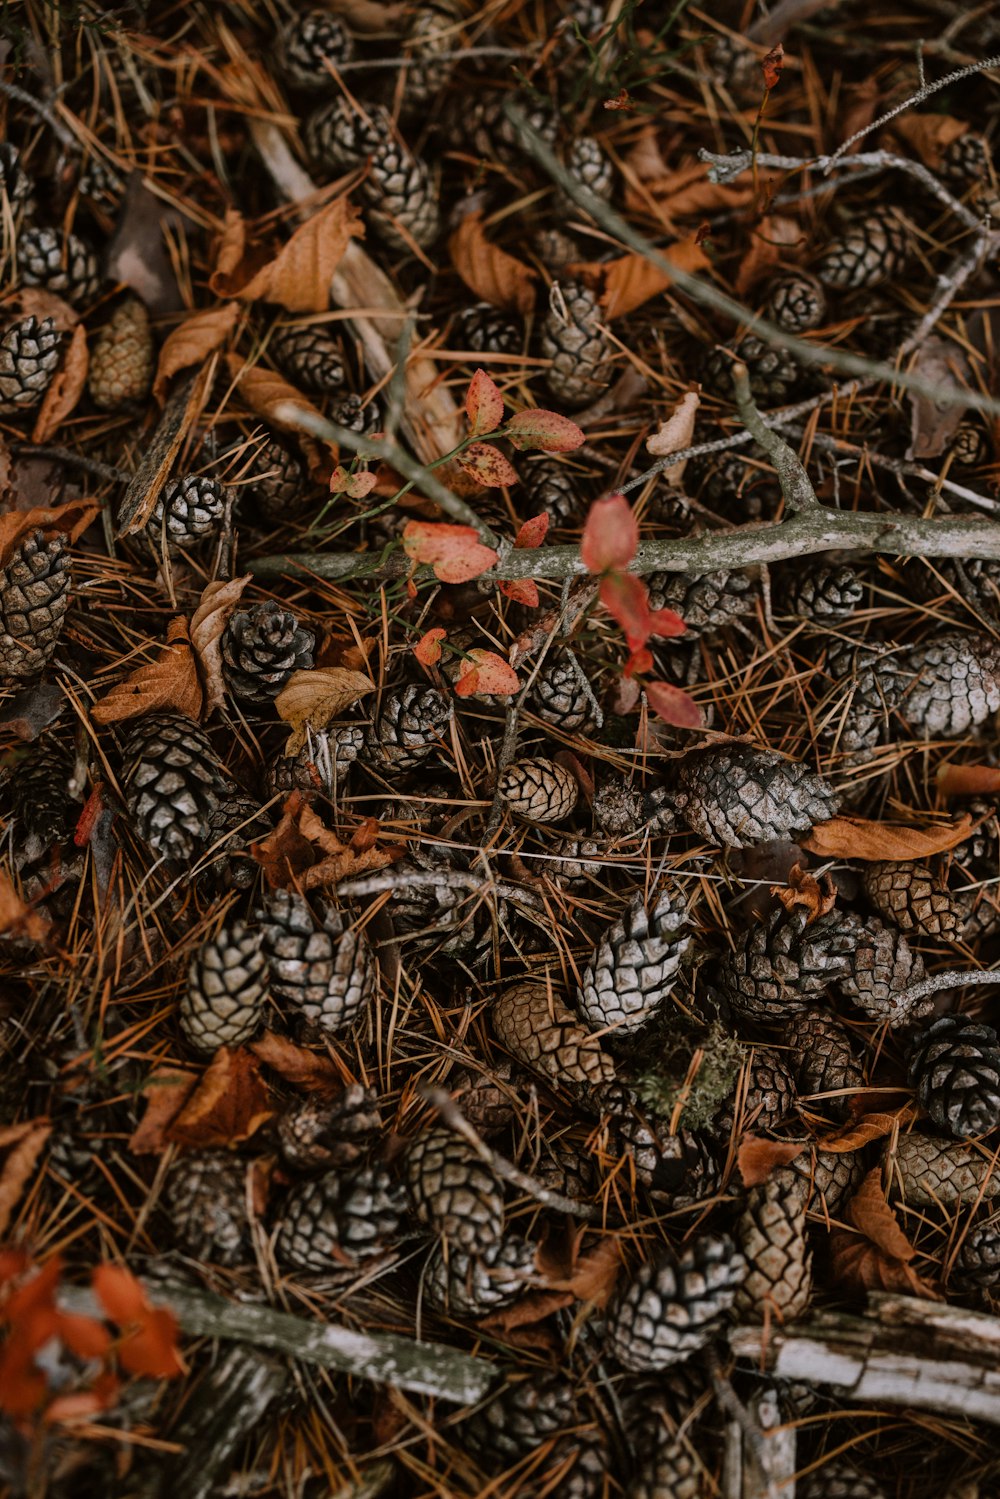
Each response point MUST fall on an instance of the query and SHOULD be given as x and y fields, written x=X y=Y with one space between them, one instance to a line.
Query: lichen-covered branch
x=795 y=483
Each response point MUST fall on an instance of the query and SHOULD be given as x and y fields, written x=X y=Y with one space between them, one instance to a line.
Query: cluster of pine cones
x=604 y=986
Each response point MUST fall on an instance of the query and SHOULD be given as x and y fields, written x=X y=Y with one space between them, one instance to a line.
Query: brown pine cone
x=942 y=1173
x=825 y=1178
x=772 y=1235
x=121 y=362
x=908 y=894
x=824 y=1061
x=454 y=1192
x=541 y=1032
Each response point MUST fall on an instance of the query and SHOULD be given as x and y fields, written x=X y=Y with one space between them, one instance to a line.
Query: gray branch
x=795 y=483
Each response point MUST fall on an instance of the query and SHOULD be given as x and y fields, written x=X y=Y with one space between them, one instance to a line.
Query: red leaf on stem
x=546 y=430
x=674 y=706
x=522 y=591
x=455 y=552
x=485 y=671
x=428 y=648
x=611 y=535
x=483 y=404
x=771 y=66
x=487 y=465
x=533 y=532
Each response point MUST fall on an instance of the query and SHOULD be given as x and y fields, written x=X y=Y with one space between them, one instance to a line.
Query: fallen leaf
x=968 y=780
x=624 y=284
x=928 y=135
x=166 y=1093
x=533 y=1307
x=522 y=591
x=626 y=598
x=676 y=433
x=229 y=1104
x=428 y=648
x=687 y=192
x=804 y=889
x=208 y=623
x=312 y=699
x=590 y=1277
x=35 y=301
x=770 y=242
x=192 y=342
x=30 y=712
x=483 y=404
x=18 y=919
x=90 y=816
x=293 y=855
x=494 y=276
x=856 y=838
x=610 y=536
x=866 y=1129
x=933 y=422
x=355 y=485
x=455 y=552
x=771 y=65
x=758 y=1157
x=168 y=682
x=65 y=389
x=6 y=469
x=486 y=672
x=487 y=465
x=312 y=1070
x=137 y=255
x=546 y=431
x=532 y=532
x=147 y=1344
x=19 y=1166
x=269 y=396
x=872 y=1216
x=674 y=705
x=299 y=276
x=857 y=1264
x=69 y=520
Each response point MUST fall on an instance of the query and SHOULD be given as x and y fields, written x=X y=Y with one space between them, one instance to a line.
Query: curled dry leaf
x=676 y=433
x=312 y=1070
x=229 y=1104
x=859 y=1265
x=624 y=284
x=304 y=853
x=758 y=1157
x=588 y=1277
x=312 y=699
x=872 y=1216
x=69 y=520
x=933 y=423
x=208 y=622
x=494 y=276
x=66 y=388
x=684 y=194
x=770 y=242
x=771 y=65
x=968 y=780
x=166 y=1093
x=804 y=889
x=299 y=276
x=869 y=1127
x=192 y=342
x=272 y=398
x=17 y=919
x=856 y=838
x=170 y=681
x=19 y=1167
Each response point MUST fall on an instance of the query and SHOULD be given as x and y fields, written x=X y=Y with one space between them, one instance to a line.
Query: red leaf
x=484 y=404
x=92 y=809
x=487 y=465
x=533 y=532
x=84 y=1336
x=120 y=1294
x=149 y=1341
x=546 y=430
x=485 y=671
x=771 y=66
x=674 y=706
x=428 y=648
x=522 y=591
x=638 y=663
x=455 y=552
x=611 y=535
x=625 y=597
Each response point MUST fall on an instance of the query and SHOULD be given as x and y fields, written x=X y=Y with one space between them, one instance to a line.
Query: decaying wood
x=161 y=449
x=904 y=1351
x=745 y=1476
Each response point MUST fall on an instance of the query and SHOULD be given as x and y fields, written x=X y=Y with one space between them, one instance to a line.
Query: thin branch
x=795 y=483
x=954 y=978
x=44 y=112
x=71 y=460
x=917 y=98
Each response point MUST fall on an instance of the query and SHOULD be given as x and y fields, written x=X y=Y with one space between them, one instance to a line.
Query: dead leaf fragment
x=166 y=1093
x=803 y=889
x=676 y=433
x=856 y=838
x=192 y=342
x=19 y=1166
x=758 y=1157
x=269 y=396
x=69 y=520
x=208 y=622
x=968 y=780
x=624 y=284
x=312 y=1070
x=312 y=699
x=66 y=388
x=863 y=1131
x=299 y=276
x=137 y=255
x=169 y=681
x=16 y=918
x=928 y=135
x=877 y=1257
x=934 y=423
x=305 y=853
x=494 y=276
x=772 y=241
x=229 y=1104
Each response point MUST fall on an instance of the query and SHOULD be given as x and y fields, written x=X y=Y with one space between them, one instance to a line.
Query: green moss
x=663 y=1084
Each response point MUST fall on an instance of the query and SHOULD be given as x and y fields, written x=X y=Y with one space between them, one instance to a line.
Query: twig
x=40 y=108
x=954 y=978
x=71 y=460
x=796 y=488
x=917 y=98
x=506 y=1170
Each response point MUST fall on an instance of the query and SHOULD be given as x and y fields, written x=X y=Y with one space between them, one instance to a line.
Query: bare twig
x=71 y=460
x=795 y=484
x=917 y=98
x=954 y=978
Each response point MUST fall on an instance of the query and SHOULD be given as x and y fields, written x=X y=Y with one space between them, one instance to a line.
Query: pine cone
x=322 y=764
x=308 y=356
x=774 y=375
x=632 y=970
x=463 y=1285
x=206 y=1198
x=29 y=357
x=16 y=185
x=562 y=696
x=539 y=790
x=781 y=966
x=772 y=1235
x=554 y=487
x=307 y=44
x=825 y=1179
x=261 y=647
x=121 y=362
x=487 y=1100
x=173 y=783
x=410 y=724
x=706 y=603
x=675 y=1304
x=679 y=1168
x=796 y=302
x=325 y=970
x=825 y=595
x=35 y=594
x=338 y=137
x=768 y=1092
x=523 y=1416
x=318 y=1133
x=338 y=1219
x=483 y=330
x=908 y=894
x=580 y=351
x=870 y=251
x=278 y=483
x=968 y=449
x=538 y=1030
x=838 y=1480
x=966 y=160
x=622 y=811
x=952 y=684
x=591 y=166
x=454 y=1192
x=402 y=194
x=40 y=794
x=824 y=1061
x=433 y=36
x=350 y=413
x=942 y=1173
x=663 y=1454
x=955 y=1069
x=227 y=988
x=61 y=263
x=187 y=510
x=978 y=1259
x=234 y=824
x=729 y=485
x=738 y=796
x=868 y=689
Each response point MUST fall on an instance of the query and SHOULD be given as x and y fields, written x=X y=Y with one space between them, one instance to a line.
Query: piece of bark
x=153 y=472
x=743 y=1475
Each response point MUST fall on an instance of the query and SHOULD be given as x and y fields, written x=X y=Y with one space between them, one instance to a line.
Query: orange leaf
x=149 y=1338
x=166 y=1093
x=494 y=276
x=270 y=396
x=65 y=389
x=311 y=1070
x=18 y=1169
x=674 y=706
x=299 y=277
x=229 y=1104
x=428 y=648
x=69 y=520
x=527 y=1310
x=487 y=465
x=522 y=591
x=859 y=1265
x=855 y=838
x=626 y=598
x=208 y=622
x=169 y=681
x=803 y=889
x=758 y=1157
x=771 y=65
x=968 y=780
x=455 y=552
x=624 y=284
x=533 y=532
x=545 y=430
x=192 y=342
x=590 y=1277
x=610 y=536
x=486 y=672
x=869 y=1127
x=769 y=242
x=483 y=404
x=293 y=853
x=873 y=1217
x=685 y=193
x=83 y=1336
x=80 y=1404
x=232 y=247
x=16 y=918
x=120 y=1294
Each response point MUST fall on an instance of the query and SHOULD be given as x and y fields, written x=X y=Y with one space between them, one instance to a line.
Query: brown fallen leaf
x=266 y=393
x=934 y=422
x=758 y=1157
x=65 y=389
x=533 y=1307
x=192 y=342
x=858 y=1265
x=208 y=622
x=856 y=838
x=312 y=1070
x=872 y=1216
x=229 y=1104
x=676 y=433
x=137 y=254
x=624 y=284
x=299 y=276
x=312 y=699
x=968 y=780
x=303 y=853
x=169 y=681
x=589 y=1277
x=69 y=520
x=6 y=469
x=35 y=301
x=166 y=1093
x=928 y=135
x=494 y=276
x=19 y=1166
x=775 y=239
x=18 y=919
x=803 y=889
x=869 y=1127
x=686 y=193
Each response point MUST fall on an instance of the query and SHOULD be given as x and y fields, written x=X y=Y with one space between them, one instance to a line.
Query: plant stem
x=795 y=483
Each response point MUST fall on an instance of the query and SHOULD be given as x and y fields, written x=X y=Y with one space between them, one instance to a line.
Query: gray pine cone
x=739 y=795
x=675 y=1304
x=226 y=990
x=29 y=357
x=339 y=1219
x=634 y=967
x=261 y=647
x=35 y=594
x=325 y=969
x=572 y=338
